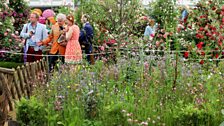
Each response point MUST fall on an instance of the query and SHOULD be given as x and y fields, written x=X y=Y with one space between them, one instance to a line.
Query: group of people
x=65 y=39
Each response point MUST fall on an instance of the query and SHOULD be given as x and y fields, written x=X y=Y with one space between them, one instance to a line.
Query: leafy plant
x=31 y=112
x=191 y=115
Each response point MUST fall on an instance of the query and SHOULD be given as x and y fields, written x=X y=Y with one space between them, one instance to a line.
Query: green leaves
x=30 y=112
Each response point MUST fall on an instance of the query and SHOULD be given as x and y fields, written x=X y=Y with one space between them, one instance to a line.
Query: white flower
x=144 y=123
x=0 y=23
x=110 y=10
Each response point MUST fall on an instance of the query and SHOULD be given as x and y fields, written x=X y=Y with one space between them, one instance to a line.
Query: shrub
x=191 y=115
x=31 y=112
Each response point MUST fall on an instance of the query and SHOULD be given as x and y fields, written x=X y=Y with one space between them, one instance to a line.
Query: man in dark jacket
x=86 y=37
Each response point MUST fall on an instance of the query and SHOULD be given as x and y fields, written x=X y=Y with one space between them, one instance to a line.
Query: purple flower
x=21 y=15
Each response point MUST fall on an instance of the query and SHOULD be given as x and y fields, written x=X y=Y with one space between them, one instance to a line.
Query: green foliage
x=10 y=64
x=111 y=19
x=31 y=112
x=165 y=13
x=192 y=115
x=100 y=95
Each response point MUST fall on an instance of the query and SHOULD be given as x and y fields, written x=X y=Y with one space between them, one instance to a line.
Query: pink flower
x=102 y=48
x=152 y=35
x=165 y=36
x=6 y=33
x=146 y=65
x=10 y=40
x=201 y=29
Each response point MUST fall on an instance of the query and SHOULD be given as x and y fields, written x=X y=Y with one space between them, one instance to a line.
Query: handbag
x=62 y=40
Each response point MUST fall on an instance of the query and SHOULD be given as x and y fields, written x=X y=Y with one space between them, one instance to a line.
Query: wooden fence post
x=33 y=76
x=17 y=84
x=26 y=80
x=7 y=91
x=21 y=79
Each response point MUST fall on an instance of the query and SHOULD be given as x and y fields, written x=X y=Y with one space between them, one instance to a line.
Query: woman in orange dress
x=73 y=52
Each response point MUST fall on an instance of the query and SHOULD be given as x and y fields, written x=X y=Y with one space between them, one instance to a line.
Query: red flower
x=202 y=62
x=216 y=56
x=214 y=28
x=199 y=36
x=201 y=29
x=208 y=34
x=202 y=53
x=223 y=8
x=199 y=45
x=186 y=54
x=189 y=26
x=213 y=8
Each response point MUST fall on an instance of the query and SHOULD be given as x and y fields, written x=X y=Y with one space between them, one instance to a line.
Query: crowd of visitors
x=64 y=37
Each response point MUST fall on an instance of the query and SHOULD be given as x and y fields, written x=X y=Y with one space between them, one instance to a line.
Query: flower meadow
x=129 y=93
x=175 y=78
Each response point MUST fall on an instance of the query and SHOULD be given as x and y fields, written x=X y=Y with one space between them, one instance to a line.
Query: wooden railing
x=20 y=82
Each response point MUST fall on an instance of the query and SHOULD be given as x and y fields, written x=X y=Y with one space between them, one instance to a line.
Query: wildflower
x=146 y=65
x=129 y=114
x=123 y=111
x=153 y=121
x=149 y=119
x=130 y=120
x=144 y=123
